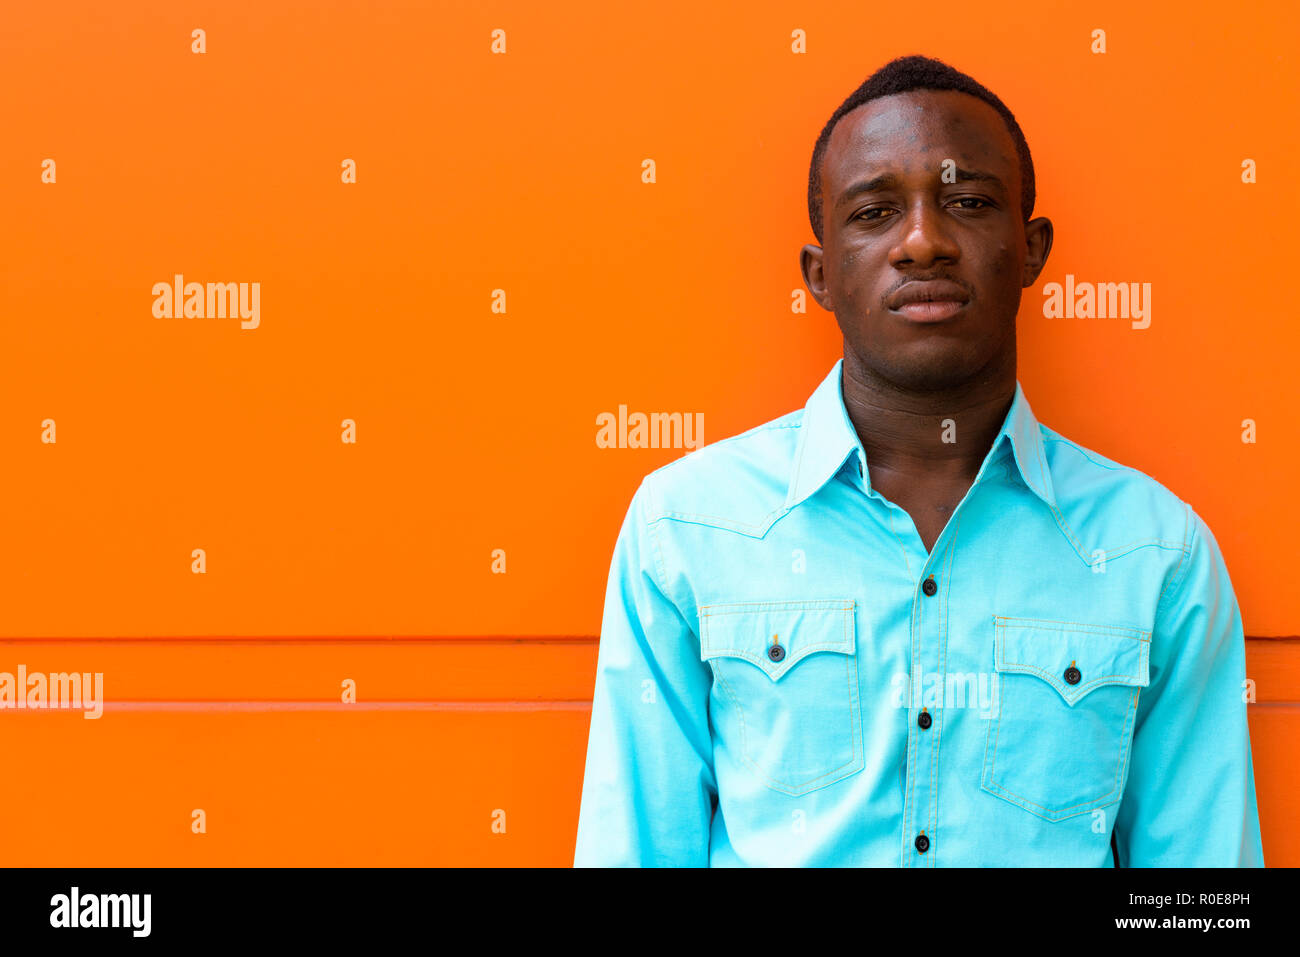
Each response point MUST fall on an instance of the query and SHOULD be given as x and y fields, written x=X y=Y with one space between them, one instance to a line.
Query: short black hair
x=902 y=76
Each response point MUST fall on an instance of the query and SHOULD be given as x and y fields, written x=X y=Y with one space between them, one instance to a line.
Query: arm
x=649 y=792
x=1190 y=800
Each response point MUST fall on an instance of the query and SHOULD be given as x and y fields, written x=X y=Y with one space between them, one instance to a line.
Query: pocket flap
x=1101 y=654
x=748 y=629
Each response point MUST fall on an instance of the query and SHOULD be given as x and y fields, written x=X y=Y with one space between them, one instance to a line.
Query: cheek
x=1005 y=265
x=856 y=271
x=853 y=280
x=845 y=281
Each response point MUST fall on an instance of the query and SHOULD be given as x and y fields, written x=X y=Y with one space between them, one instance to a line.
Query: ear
x=810 y=264
x=1038 y=244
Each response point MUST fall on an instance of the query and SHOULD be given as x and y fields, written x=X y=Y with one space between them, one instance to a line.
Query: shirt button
x=928 y=586
x=924 y=720
x=922 y=843
x=1072 y=675
x=776 y=652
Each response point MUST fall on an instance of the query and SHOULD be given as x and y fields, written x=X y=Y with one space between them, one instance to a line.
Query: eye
x=864 y=215
x=982 y=203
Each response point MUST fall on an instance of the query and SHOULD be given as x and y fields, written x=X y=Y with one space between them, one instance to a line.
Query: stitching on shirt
x=943 y=670
x=992 y=762
x=1053 y=436
x=1117 y=551
x=1019 y=667
x=776 y=424
x=1079 y=692
x=659 y=560
x=777 y=673
x=843 y=645
x=1137 y=634
x=718 y=521
x=1083 y=806
x=760 y=528
x=1189 y=532
x=717 y=673
x=992 y=732
x=804 y=604
x=764 y=525
x=772 y=426
x=913 y=736
x=727 y=524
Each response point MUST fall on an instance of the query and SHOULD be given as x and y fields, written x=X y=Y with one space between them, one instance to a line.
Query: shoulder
x=1113 y=507
x=739 y=482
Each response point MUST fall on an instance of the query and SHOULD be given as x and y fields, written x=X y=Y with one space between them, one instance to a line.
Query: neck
x=942 y=434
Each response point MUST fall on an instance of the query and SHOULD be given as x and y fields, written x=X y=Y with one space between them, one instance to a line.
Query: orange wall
x=479 y=171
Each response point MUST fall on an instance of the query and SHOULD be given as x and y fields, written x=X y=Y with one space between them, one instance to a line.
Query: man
x=908 y=625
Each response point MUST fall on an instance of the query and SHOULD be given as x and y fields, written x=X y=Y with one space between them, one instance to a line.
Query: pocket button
x=1072 y=675
x=776 y=652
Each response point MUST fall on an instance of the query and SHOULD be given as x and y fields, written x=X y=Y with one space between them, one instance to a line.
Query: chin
x=934 y=368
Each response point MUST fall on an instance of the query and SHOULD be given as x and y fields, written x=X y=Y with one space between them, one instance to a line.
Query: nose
x=925 y=238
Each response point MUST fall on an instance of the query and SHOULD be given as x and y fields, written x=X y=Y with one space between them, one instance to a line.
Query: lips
x=928 y=300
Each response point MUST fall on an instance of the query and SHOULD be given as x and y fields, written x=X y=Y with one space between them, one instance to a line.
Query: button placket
x=921 y=810
x=927 y=653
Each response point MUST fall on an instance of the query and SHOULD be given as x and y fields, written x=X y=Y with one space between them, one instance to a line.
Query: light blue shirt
x=778 y=685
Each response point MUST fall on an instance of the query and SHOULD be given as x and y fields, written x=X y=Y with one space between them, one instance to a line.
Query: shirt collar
x=827 y=437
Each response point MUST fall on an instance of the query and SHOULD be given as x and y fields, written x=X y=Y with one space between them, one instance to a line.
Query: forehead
x=916 y=131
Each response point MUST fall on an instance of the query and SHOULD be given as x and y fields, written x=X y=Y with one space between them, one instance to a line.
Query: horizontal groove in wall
x=299 y=639
x=311 y=670
x=398 y=670
x=244 y=706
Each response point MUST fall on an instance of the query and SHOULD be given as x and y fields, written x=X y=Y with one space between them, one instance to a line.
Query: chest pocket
x=791 y=715
x=1059 y=742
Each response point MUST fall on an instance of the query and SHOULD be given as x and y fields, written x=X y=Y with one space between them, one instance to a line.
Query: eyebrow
x=888 y=180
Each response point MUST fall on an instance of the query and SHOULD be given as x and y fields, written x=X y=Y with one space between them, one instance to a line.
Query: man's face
x=924 y=276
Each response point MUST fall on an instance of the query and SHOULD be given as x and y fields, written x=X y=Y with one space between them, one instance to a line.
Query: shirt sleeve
x=1190 y=800
x=649 y=791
